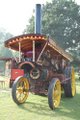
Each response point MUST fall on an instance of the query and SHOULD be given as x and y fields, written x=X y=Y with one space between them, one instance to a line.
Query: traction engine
x=43 y=68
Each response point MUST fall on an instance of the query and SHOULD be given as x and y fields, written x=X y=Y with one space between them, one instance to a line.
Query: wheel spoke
x=21 y=89
x=54 y=93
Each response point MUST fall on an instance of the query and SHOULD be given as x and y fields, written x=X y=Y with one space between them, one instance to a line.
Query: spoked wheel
x=73 y=83
x=70 y=86
x=20 y=90
x=54 y=93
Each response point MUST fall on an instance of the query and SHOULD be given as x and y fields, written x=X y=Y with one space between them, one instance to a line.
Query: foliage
x=61 y=20
x=2 y=67
x=4 y=52
x=4 y=35
x=30 y=26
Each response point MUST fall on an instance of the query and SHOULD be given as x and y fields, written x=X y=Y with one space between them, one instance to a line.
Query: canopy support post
x=33 y=51
x=42 y=51
x=19 y=51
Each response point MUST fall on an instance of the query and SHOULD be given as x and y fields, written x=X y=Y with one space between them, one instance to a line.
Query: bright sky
x=14 y=14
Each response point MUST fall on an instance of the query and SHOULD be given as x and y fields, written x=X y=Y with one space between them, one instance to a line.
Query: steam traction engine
x=43 y=69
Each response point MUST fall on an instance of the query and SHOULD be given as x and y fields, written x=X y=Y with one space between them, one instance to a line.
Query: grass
x=36 y=107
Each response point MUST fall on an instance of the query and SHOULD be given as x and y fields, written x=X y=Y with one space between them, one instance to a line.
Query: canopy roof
x=25 y=40
x=26 y=44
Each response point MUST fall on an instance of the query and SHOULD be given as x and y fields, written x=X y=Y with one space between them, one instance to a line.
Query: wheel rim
x=22 y=90
x=73 y=85
x=56 y=94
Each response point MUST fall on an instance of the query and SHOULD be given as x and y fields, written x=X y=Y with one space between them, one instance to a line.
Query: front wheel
x=54 y=93
x=20 y=90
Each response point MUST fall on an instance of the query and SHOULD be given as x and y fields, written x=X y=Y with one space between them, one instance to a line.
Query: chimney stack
x=38 y=19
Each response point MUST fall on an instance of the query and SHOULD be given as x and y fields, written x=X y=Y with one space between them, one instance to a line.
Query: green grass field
x=36 y=108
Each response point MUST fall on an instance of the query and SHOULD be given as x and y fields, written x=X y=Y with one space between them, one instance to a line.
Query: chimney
x=38 y=19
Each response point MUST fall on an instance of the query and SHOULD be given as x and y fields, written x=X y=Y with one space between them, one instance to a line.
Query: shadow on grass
x=69 y=107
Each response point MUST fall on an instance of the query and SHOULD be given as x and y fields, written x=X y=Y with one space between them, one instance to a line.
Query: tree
x=4 y=35
x=61 y=20
x=30 y=28
x=4 y=52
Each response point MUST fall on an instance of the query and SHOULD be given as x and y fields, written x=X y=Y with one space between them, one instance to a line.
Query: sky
x=15 y=14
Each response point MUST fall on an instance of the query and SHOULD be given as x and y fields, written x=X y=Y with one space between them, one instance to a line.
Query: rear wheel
x=20 y=90
x=54 y=93
x=70 y=86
